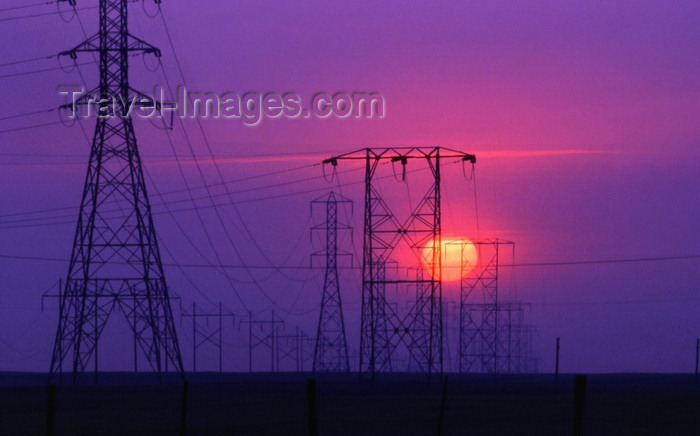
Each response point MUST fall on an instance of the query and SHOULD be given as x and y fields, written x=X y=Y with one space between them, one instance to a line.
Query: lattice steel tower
x=115 y=263
x=331 y=351
x=382 y=328
x=484 y=339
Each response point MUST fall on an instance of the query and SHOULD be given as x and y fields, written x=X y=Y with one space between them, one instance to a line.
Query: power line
x=14 y=8
x=21 y=17
x=192 y=199
x=184 y=209
x=26 y=114
x=614 y=302
x=17 y=129
x=191 y=195
x=64 y=208
x=602 y=261
x=207 y=187
x=211 y=197
x=529 y=265
x=195 y=188
x=42 y=70
x=218 y=171
x=24 y=61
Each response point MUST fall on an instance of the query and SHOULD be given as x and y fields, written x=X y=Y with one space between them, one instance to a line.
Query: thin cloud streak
x=537 y=153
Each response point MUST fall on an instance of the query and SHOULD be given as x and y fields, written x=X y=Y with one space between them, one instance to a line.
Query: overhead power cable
x=31 y=5
x=234 y=181
x=42 y=221
x=26 y=114
x=19 y=129
x=43 y=14
x=528 y=265
x=42 y=70
x=24 y=61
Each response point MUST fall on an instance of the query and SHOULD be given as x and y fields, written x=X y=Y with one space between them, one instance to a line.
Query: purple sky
x=583 y=115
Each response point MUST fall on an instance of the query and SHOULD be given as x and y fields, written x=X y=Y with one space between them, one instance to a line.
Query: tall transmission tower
x=331 y=351
x=382 y=328
x=115 y=263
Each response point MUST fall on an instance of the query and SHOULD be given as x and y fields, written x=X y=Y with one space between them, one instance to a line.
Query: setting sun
x=452 y=251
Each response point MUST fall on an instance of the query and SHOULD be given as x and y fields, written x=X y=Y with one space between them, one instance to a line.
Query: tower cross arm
x=137 y=44
x=92 y=44
x=401 y=154
x=73 y=2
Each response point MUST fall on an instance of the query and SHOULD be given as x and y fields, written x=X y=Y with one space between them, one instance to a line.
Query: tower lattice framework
x=331 y=350
x=489 y=338
x=115 y=263
x=383 y=329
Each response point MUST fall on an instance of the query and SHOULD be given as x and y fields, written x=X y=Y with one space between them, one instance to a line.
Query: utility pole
x=202 y=334
x=269 y=340
x=556 y=364
x=290 y=350
x=115 y=262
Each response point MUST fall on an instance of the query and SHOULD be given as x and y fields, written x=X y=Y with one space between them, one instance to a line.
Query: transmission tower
x=421 y=329
x=331 y=350
x=490 y=337
x=493 y=336
x=512 y=341
x=115 y=263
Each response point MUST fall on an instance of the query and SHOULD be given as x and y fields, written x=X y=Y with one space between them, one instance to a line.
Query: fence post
x=443 y=403
x=183 y=410
x=556 y=364
x=579 y=402
x=313 y=424
x=51 y=411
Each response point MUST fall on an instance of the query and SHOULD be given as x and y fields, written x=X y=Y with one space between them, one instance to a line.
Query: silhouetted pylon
x=331 y=351
x=383 y=331
x=115 y=263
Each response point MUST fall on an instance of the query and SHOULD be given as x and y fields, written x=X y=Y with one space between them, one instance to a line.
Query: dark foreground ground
x=277 y=404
